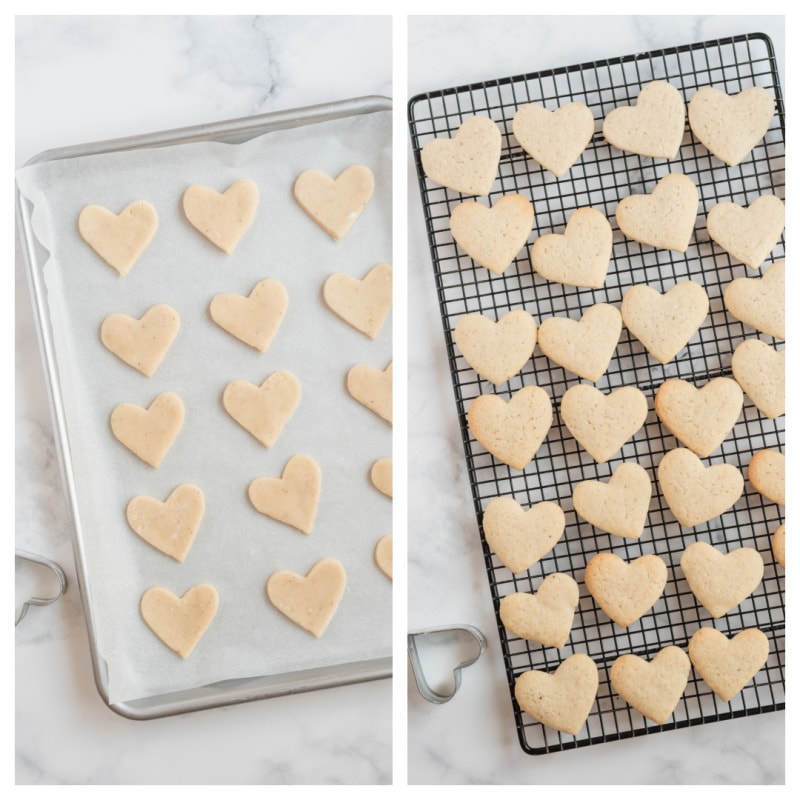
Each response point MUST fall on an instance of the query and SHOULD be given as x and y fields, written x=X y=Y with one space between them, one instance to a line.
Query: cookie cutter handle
x=425 y=689
x=41 y=601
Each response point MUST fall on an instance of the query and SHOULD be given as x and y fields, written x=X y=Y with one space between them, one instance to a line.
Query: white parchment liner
x=236 y=548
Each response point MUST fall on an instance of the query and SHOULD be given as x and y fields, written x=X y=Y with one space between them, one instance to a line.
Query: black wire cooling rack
x=601 y=177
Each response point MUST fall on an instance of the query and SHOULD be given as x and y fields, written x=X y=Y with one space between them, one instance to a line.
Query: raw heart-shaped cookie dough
x=169 y=526
x=383 y=555
x=556 y=139
x=654 y=688
x=520 y=537
x=626 y=591
x=493 y=236
x=363 y=304
x=585 y=346
x=496 y=350
x=561 y=700
x=664 y=323
x=760 y=302
x=264 y=410
x=335 y=203
x=309 y=601
x=545 y=617
x=700 y=419
x=293 y=498
x=578 y=257
x=603 y=423
x=618 y=506
x=468 y=162
x=721 y=581
x=730 y=126
x=749 y=234
x=381 y=475
x=653 y=126
x=119 y=239
x=254 y=319
x=664 y=218
x=372 y=388
x=694 y=492
x=761 y=372
x=149 y=433
x=141 y=343
x=767 y=473
x=512 y=431
x=180 y=622
x=222 y=218
x=728 y=665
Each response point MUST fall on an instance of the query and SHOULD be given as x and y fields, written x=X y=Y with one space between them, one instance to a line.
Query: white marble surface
x=84 y=79
x=472 y=739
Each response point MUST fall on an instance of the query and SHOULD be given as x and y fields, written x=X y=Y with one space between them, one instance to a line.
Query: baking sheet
x=236 y=548
x=599 y=179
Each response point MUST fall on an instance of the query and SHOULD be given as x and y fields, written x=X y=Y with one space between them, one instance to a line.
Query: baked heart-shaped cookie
x=512 y=431
x=253 y=319
x=119 y=239
x=664 y=322
x=372 y=388
x=335 y=203
x=141 y=343
x=180 y=622
x=169 y=526
x=309 y=601
x=767 y=473
x=625 y=590
x=293 y=498
x=721 y=581
x=618 y=506
x=700 y=419
x=578 y=257
x=730 y=126
x=383 y=555
x=222 y=218
x=520 y=537
x=694 y=492
x=585 y=346
x=493 y=236
x=778 y=544
x=149 y=432
x=563 y=699
x=362 y=303
x=748 y=233
x=468 y=161
x=664 y=218
x=556 y=139
x=381 y=475
x=263 y=410
x=602 y=423
x=545 y=617
x=654 y=688
x=653 y=126
x=760 y=302
x=760 y=370
x=496 y=350
x=728 y=665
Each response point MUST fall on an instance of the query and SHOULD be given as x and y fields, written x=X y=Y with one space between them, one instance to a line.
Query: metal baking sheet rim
x=238 y=690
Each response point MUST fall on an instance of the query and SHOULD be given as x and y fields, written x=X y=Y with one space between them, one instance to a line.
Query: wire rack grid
x=600 y=178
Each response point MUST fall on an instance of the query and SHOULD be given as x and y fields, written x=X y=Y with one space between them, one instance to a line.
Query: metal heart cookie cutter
x=468 y=642
x=41 y=601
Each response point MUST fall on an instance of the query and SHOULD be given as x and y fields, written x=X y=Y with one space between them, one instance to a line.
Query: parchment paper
x=236 y=548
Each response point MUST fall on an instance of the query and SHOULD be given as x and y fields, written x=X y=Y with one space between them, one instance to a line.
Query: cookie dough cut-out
x=119 y=239
x=180 y=622
x=141 y=343
x=363 y=304
x=381 y=475
x=222 y=218
x=372 y=388
x=149 y=433
x=383 y=555
x=335 y=204
x=293 y=498
x=309 y=601
x=253 y=319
